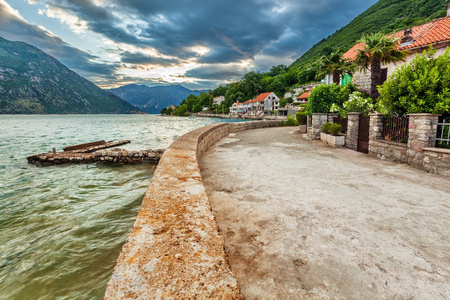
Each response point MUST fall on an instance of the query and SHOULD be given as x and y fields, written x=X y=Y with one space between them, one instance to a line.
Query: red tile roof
x=423 y=35
x=353 y=52
x=304 y=95
x=262 y=96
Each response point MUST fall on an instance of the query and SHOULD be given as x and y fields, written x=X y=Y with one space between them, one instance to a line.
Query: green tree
x=379 y=49
x=333 y=64
x=422 y=86
x=181 y=110
x=322 y=97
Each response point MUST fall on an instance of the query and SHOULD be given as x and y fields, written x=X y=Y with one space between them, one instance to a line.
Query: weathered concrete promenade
x=175 y=250
x=304 y=220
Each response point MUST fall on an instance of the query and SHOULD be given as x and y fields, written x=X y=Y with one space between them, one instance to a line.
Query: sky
x=199 y=44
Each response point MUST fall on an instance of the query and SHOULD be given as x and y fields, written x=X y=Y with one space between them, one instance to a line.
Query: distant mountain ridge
x=33 y=82
x=152 y=99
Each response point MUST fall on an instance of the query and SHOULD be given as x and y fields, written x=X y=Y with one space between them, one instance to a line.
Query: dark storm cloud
x=233 y=29
x=216 y=72
x=266 y=31
x=142 y=59
x=14 y=28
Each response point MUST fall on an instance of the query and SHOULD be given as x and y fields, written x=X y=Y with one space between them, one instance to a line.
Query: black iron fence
x=443 y=133
x=341 y=121
x=396 y=129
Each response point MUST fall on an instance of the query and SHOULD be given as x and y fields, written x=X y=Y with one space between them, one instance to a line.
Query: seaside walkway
x=301 y=219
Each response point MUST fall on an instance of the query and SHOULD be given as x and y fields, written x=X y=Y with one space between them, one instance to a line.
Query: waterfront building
x=218 y=100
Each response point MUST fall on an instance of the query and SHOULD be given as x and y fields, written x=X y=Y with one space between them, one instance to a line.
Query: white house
x=267 y=102
x=218 y=100
x=236 y=108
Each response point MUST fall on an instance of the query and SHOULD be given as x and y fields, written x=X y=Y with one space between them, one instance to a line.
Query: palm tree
x=333 y=64
x=379 y=49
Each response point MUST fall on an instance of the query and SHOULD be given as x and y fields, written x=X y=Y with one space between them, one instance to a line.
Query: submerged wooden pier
x=98 y=151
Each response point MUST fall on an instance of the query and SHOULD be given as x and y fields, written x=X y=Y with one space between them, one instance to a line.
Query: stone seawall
x=175 y=250
x=115 y=155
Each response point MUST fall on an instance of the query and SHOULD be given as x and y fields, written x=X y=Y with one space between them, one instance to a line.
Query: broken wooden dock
x=98 y=151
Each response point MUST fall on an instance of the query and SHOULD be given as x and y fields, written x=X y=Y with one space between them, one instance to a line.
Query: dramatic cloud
x=199 y=38
x=14 y=27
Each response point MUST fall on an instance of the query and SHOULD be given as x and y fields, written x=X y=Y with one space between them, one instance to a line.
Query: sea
x=62 y=227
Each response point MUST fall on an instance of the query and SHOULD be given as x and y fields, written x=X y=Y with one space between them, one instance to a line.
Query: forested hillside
x=33 y=82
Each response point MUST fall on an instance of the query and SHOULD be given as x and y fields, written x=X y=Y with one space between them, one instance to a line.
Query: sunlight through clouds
x=201 y=43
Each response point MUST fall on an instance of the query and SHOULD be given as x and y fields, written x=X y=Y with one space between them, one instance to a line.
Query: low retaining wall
x=389 y=150
x=437 y=160
x=175 y=250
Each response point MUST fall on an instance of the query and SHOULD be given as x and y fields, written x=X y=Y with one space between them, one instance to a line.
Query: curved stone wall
x=175 y=250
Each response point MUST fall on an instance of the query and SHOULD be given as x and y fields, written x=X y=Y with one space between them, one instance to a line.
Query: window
x=383 y=76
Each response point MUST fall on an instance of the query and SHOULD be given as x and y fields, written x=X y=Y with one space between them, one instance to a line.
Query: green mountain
x=32 y=82
x=385 y=16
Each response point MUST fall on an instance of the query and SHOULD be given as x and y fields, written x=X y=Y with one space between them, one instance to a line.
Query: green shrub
x=325 y=128
x=356 y=103
x=323 y=96
x=335 y=129
x=290 y=121
x=422 y=86
x=332 y=128
x=301 y=117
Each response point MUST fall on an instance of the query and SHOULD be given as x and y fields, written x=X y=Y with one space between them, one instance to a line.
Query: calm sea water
x=62 y=227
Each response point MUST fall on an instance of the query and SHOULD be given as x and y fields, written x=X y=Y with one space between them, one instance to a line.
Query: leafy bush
x=422 y=86
x=326 y=127
x=301 y=117
x=290 y=121
x=323 y=96
x=355 y=103
x=332 y=128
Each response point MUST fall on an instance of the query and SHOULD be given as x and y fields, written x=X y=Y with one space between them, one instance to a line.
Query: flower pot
x=336 y=140
x=302 y=128
x=323 y=137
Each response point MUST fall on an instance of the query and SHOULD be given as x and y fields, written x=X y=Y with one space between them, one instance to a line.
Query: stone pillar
x=331 y=116
x=375 y=131
x=376 y=127
x=309 y=125
x=422 y=131
x=309 y=120
x=352 y=131
x=318 y=120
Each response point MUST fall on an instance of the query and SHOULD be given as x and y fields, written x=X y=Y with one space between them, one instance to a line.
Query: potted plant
x=302 y=118
x=331 y=135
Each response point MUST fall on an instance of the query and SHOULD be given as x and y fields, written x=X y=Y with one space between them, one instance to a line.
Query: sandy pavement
x=303 y=220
